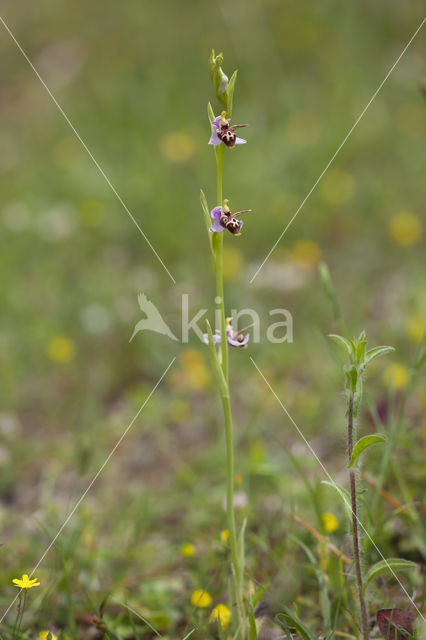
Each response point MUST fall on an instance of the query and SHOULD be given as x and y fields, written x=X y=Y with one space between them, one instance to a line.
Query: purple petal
x=215 y=215
x=214 y=139
x=216 y=121
x=216 y=337
x=237 y=343
x=240 y=141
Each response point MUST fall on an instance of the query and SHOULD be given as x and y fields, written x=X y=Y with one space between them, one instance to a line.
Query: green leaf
x=342 y=342
x=377 y=351
x=207 y=218
x=293 y=621
x=392 y=565
x=230 y=94
x=210 y=115
x=343 y=495
x=362 y=444
x=325 y=602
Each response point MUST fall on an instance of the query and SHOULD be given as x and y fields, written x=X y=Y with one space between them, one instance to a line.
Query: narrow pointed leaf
x=293 y=621
x=391 y=566
x=362 y=444
x=230 y=94
x=342 y=342
x=210 y=115
x=207 y=217
x=378 y=351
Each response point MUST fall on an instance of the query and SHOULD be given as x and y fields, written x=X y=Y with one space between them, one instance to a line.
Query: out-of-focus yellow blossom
x=221 y=614
x=397 y=375
x=337 y=186
x=405 y=228
x=330 y=522
x=25 y=582
x=60 y=349
x=232 y=262
x=177 y=147
x=179 y=411
x=68 y=152
x=92 y=213
x=224 y=536
x=306 y=254
x=416 y=326
x=303 y=128
x=410 y=119
x=44 y=634
x=197 y=374
x=201 y=599
x=187 y=550
x=238 y=479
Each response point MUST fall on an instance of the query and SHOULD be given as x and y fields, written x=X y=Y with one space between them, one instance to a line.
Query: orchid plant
x=219 y=220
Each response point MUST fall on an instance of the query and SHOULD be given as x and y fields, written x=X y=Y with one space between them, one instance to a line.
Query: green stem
x=219 y=266
x=355 y=536
x=223 y=377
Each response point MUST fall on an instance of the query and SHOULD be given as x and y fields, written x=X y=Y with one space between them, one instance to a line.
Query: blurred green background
x=133 y=79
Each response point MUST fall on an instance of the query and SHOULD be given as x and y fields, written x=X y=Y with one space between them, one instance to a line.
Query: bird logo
x=153 y=321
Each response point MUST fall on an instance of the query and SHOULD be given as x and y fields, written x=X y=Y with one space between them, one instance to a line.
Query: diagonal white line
x=92 y=482
x=90 y=154
x=334 y=485
x=340 y=147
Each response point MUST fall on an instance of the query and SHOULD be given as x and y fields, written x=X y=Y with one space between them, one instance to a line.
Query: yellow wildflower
x=232 y=262
x=25 y=582
x=397 y=375
x=177 y=147
x=306 y=253
x=222 y=614
x=43 y=635
x=337 y=186
x=224 y=536
x=187 y=550
x=416 y=326
x=197 y=374
x=60 y=349
x=330 y=522
x=201 y=599
x=405 y=228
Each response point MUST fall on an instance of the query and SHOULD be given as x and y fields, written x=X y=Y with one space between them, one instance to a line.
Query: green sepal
x=207 y=219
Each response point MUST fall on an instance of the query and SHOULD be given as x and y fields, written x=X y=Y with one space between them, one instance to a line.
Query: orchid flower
x=224 y=219
x=224 y=133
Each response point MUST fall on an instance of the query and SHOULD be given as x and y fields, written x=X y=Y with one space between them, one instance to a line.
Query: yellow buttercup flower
x=224 y=536
x=197 y=374
x=187 y=550
x=60 y=349
x=25 y=582
x=416 y=326
x=330 y=522
x=201 y=599
x=43 y=635
x=306 y=254
x=405 y=228
x=177 y=147
x=397 y=375
x=222 y=614
x=232 y=262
